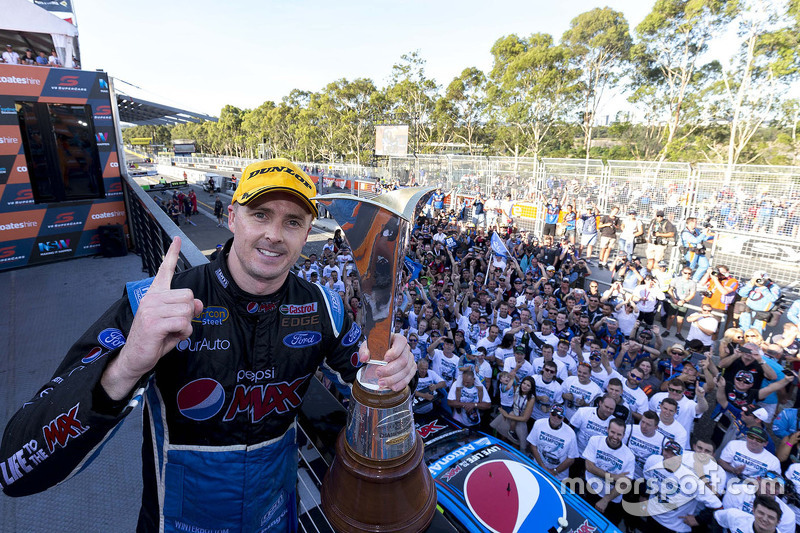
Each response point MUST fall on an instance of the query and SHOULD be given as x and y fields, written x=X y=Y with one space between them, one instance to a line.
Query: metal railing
x=152 y=231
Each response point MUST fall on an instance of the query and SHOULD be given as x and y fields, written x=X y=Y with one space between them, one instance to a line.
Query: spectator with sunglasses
x=747 y=357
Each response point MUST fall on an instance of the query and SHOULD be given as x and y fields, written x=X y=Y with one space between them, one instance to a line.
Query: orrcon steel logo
x=300 y=309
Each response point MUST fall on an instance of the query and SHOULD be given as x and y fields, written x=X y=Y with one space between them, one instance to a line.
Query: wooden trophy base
x=363 y=495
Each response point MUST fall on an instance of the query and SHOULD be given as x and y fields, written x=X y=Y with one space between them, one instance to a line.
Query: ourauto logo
x=201 y=399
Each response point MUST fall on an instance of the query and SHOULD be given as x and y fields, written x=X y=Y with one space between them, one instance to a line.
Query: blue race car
x=486 y=485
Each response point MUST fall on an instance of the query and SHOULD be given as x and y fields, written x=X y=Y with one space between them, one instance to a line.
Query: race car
x=486 y=485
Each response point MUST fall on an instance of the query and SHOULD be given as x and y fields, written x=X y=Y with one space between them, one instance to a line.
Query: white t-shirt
x=676 y=432
x=588 y=392
x=554 y=445
x=792 y=475
x=685 y=413
x=447 y=367
x=642 y=446
x=736 y=453
x=708 y=322
x=735 y=520
x=569 y=361
x=649 y=297
x=337 y=285
x=608 y=459
x=600 y=377
x=551 y=339
x=326 y=273
x=524 y=371
x=587 y=424
x=490 y=346
x=677 y=494
x=431 y=379
x=626 y=320
x=470 y=395
x=501 y=354
x=561 y=370
x=634 y=399
x=711 y=471
x=742 y=495
x=503 y=322
x=553 y=392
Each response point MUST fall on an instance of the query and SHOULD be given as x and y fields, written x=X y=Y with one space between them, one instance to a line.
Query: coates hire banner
x=32 y=233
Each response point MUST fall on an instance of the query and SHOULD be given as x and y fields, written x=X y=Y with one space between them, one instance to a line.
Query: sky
x=202 y=55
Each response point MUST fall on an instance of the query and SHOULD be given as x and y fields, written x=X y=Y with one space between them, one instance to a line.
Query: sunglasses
x=413 y=340
x=675 y=390
x=749 y=336
x=549 y=370
x=744 y=380
x=635 y=378
x=675 y=353
x=482 y=322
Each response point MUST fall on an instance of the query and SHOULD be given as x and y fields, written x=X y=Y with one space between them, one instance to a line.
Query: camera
x=715 y=273
x=759 y=281
x=706 y=294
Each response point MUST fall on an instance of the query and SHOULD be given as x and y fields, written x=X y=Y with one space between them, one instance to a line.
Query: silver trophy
x=379 y=443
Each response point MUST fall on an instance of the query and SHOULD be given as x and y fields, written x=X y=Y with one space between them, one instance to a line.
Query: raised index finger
x=163 y=279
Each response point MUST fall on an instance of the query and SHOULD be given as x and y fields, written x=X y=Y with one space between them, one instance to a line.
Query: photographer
x=761 y=295
x=659 y=235
x=719 y=290
x=692 y=242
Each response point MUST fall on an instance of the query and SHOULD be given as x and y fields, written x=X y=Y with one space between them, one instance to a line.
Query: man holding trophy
x=221 y=355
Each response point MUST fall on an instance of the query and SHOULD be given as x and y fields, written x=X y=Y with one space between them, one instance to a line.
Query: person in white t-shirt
x=335 y=283
x=517 y=366
x=688 y=410
x=676 y=490
x=428 y=382
x=703 y=326
x=644 y=440
x=548 y=356
x=553 y=443
x=592 y=421
x=490 y=342
x=633 y=396
x=766 y=516
x=668 y=426
x=749 y=458
x=701 y=461
x=468 y=400
x=579 y=391
x=769 y=485
x=547 y=391
x=445 y=361
x=608 y=462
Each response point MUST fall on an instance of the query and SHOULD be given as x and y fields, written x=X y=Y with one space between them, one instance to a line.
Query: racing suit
x=760 y=298
x=220 y=450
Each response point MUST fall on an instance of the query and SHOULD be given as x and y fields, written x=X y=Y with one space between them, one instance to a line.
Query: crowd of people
x=181 y=206
x=513 y=335
x=29 y=57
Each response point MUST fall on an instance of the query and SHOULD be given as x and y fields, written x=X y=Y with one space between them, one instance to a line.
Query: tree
x=464 y=106
x=532 y=86
x=766 y=62
x=412 y=94
x=355 y=104
x=671 y=41
x=599 y=44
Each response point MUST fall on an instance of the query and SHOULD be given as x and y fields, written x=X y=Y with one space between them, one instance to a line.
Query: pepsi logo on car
x=201 y=399
x=528 y=496
x=302 y=339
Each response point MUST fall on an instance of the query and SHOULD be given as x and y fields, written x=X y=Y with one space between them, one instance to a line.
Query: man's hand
x=400 y=367
x=163 y=319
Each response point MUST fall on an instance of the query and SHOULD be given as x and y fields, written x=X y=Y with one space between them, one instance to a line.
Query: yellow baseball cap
x=275 y=175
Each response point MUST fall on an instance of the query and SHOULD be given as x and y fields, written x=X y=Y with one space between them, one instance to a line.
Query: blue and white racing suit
x=220 y=451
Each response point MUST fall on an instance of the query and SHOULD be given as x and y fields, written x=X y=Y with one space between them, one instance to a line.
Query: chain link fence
x=754 y=210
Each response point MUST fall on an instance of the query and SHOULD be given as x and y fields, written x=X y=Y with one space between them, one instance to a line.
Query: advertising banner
x=36 y=231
